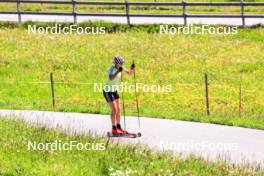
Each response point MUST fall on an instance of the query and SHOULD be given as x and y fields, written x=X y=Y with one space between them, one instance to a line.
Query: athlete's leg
x=114 y=111
x=118 y=114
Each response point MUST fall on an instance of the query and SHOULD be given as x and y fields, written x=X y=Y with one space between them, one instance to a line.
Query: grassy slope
x=27 y=58
x=161 y=59
x=16 y=159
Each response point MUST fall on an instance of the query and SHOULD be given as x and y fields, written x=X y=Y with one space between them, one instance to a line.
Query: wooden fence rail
x=127 y=6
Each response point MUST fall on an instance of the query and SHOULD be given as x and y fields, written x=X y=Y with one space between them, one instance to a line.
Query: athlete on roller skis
x=111 y=93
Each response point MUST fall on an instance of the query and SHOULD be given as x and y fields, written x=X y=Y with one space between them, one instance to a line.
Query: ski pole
x=123 y=102
x=136 y=95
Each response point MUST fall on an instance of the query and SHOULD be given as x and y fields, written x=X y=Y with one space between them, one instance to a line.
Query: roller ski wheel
x=139 y=134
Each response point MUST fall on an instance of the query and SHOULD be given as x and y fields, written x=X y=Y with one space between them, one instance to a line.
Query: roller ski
x=123 y=133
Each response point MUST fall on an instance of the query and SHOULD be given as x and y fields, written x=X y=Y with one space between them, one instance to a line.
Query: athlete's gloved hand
x=120 y=69
x=133 y=66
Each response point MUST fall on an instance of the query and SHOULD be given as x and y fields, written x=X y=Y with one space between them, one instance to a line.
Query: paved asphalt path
x=134 y=20
x=210 y=141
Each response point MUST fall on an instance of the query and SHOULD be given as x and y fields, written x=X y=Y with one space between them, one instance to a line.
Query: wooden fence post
x=74 y=12
x=18 y=12
x=207 y=94
x=243 y=13
x=127 y=12
x=184 y=12
x=240 y=99
x=52 y=89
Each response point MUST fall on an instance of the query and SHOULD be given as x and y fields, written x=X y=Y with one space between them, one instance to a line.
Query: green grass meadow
x=79 y=61
x=116 y=159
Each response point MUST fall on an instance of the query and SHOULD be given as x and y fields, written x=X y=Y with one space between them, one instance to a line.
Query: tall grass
x=116 y=159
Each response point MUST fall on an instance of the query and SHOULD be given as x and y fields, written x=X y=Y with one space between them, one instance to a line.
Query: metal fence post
x=127 y=12
x=74 y=12
x=52 y=89
x=207 y=94
x=184 y=12
x=18 y=11
x=243 y=13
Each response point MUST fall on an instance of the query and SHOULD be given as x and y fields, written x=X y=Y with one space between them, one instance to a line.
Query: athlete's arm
x=111 y=77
